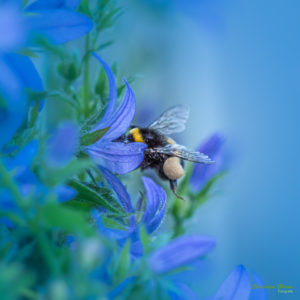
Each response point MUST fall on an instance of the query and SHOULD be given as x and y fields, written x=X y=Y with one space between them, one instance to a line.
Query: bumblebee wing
x=172 y=120
x=184 y=153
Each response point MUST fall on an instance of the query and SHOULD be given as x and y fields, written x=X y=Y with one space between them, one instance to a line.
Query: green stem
x=86 y=87
x=46 y=250
x=11 y=185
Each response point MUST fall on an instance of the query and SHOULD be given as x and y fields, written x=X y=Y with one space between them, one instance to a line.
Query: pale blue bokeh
x=239 y=70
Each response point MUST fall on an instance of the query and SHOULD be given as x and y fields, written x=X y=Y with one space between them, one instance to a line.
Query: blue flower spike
x=180 y=252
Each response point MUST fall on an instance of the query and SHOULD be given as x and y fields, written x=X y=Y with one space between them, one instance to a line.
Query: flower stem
x=8 y=181
x=86 y=86
x=46 y=251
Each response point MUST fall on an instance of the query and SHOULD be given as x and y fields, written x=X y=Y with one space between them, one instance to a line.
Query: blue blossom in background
x=118 y=157
x=62 y=145
x=201 y=174
x=53 y=20
x=152 y=217
x=52 y=4
x=12 y=102
x=13 y=31
x=57 y=21
x=237 y=286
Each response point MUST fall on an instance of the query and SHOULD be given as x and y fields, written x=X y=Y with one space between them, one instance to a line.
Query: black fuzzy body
x=153 y=159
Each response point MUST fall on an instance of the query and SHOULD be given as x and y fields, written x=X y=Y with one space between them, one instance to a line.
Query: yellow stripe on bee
x=137 y=136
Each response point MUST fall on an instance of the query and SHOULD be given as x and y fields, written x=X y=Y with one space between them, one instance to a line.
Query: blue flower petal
x=112 y=97
x=50 y=4
x=122 y=118
x=119 y=189
x=12 y=102
x=236 y=286
x=203 y=173
x=257 y=294
x=60 y=25
x=64 y=193
x=179 y=252
x=25 y=70
x=109 y=232
x=13 y=32
x=24 y=157
x=63 y=145
x=119 y=158
x=156 y=205
x=7 y=202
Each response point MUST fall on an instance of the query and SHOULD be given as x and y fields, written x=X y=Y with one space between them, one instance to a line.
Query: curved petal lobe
x=122 y=118
x=119 y=189
x=112 y=97
x=179 y=252
x=117 y=157
x=236 y=286
x=156 y=205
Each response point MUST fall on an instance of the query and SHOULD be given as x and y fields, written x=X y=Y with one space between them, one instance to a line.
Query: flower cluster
x=69 y=227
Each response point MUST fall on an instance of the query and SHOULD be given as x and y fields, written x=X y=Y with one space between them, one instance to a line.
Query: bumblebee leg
x=173 y=186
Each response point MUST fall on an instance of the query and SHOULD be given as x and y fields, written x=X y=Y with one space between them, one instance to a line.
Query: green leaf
x=92 y=137
x=70 y=220
x=28 y=52
x=33 y=114
x=203 y=195
x=124 y=262
x=95 y=197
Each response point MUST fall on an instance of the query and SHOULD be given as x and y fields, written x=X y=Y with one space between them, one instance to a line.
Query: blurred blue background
x=237 y=65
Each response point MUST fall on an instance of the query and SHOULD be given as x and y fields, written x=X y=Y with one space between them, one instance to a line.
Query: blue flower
x=25 y=70
x=62 y=145
x=52 y=4
x=181 y=251
x=151 y=220
x=57 y=21
x=237 y=286
x=54 y=20
x=203 y=173
x=13 y=31
x=12 y=102
x=118 y=157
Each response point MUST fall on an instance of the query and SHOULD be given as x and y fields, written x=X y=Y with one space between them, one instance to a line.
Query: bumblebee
x=163 y=154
